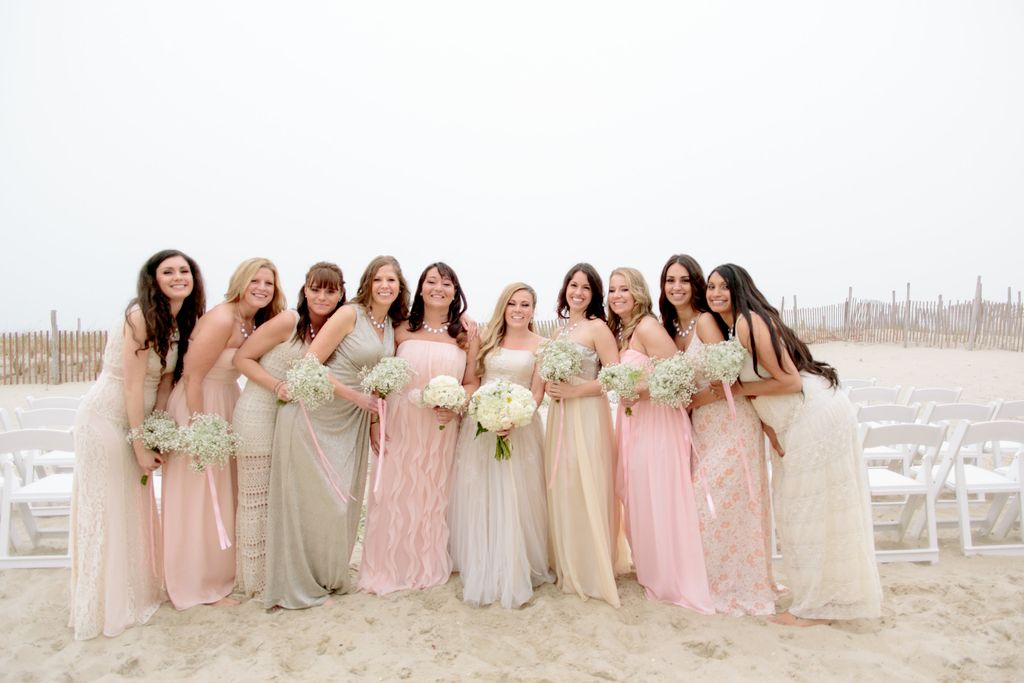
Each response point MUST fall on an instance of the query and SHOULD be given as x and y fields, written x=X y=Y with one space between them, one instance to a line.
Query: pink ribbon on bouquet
x=324 y=462
x=222 y=532
x=624 y=451
x=558 y=444
x=727 y=386
x=382 y=408
x=153 y=522
x=691 y=446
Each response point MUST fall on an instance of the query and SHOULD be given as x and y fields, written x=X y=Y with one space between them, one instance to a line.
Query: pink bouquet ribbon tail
x=222 y=532
x=689 y=445
x=729 y=399
x=153 y=522
x=324 y=462
x=382 y=408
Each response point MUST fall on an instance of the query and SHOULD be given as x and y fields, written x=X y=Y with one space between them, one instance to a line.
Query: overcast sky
x=819 y=144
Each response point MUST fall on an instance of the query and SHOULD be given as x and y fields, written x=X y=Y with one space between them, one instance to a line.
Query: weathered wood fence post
x=975 y=317
x=54 y=349
x=906 y=319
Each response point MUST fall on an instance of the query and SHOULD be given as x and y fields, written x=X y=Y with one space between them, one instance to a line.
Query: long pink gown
x=406 y=542
x=729 y=465
x=657 y=494
x=197 y=570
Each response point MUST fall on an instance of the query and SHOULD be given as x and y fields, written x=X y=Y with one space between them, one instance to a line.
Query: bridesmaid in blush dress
x=587 y=545
x=265 y=359
x=199 y=509
x=319 y=461
x=729 y=464
x=406 y=540
x=116 y=569
x=654 y=462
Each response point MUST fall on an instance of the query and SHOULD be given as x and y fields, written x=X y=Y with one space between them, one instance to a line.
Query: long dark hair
x=455 y=309
x=595 y=309
x=156 y=309
x=320 y=274
x=747 y=299
x=698 y=289
x=399 y=309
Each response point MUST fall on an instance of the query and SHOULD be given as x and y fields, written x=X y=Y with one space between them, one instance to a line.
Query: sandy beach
x=959 y=620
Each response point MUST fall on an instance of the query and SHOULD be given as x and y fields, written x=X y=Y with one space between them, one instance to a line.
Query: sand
x=961 y=619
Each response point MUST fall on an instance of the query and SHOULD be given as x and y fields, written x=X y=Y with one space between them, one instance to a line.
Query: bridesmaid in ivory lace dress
x=116 y=567
x=821 y=510
x=264 y=359
x=199 y=509
x=729 y=466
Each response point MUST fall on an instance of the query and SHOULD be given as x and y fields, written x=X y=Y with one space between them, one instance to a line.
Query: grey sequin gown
x=310 y=530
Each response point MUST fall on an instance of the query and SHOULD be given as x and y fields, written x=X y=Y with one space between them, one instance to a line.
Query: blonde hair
x=495 y=331
x=399 y=309
x=240 y=279
x=623 y=330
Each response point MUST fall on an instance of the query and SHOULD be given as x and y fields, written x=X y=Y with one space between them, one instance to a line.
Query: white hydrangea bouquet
x=560 y=360
x=158 y=432
x=443 y=391
x=722 y=362
x=309 y=382
x=623 y=379
x=209 y=440
x=389 y=375
x=500 y=405
x=673 y=380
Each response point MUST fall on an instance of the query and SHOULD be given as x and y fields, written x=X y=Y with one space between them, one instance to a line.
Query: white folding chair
x=952 y=414
x=883 y=482
x=69 y=402
x=935 y=395
x=6 y=421
x=1009 y=410
x=847 y=384
x=883 y=414
x=45 y=418
x=55 y=488
x=869 y=395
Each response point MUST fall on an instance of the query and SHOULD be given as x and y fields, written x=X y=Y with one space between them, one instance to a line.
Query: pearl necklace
x=245 y=332
x=435 y=330
x=567 y=330
x=373 y=321
x=689 y=328
x=312 y=332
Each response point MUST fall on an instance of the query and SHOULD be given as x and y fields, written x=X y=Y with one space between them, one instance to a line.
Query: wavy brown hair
x=399 y=309
x=156 y=309
x=698 y=288
x=320 y=274
x=641 y=305
x=595 y=309
x=496 y=328
x=455 y=309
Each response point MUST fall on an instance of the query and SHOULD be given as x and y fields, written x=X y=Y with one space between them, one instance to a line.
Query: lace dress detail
x=254 y=419
x=821 y=512
x=116 y=568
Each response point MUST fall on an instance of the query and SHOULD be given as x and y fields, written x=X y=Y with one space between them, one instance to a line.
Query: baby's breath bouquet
x=560 y=360
x=673 y=380
x=722 y=362
x=309 y=382
x=209 y=440
x=159 y=432
x=443 y=391
x=389 y=375
x=500 y=405
x=622 y=378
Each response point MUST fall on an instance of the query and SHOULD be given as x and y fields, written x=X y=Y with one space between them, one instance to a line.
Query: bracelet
x=278 y=385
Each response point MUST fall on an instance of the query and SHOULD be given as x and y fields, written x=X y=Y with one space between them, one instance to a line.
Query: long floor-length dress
x=498 y=509
x=821 y=513
x=117 y=577
x=583 y=514
x=406 y=539
x=198 y=571
x=657 y=494
x=255 y=416
x=311 y=530
x=729 y=466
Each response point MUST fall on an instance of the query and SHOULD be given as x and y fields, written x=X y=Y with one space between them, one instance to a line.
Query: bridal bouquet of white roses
x=623 y=379
x=158 y=432
x=673 y=380
x=560 y=360
x=500 y=405
x=443 y=391
x=309 y=382
x=209 y=440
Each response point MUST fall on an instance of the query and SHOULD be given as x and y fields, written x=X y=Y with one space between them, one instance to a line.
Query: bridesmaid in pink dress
x=406 y=542
x=729 y=462
x=198 y=569
x=654 y=462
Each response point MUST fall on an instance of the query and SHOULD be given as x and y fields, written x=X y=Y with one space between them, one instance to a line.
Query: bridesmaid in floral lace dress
x=729 y=465
x=116 y=566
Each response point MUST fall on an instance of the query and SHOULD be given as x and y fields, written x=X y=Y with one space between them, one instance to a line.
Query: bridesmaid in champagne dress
x=319 y=461
x=116 y=568
x=821 y=507
x=199 y=509
x=406 y=540
x=265 y=359
x=730 y=471
x=579 y=452
x=498 y=511
x=654 y=462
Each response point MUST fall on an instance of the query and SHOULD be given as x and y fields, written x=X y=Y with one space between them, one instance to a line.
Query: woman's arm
x=268 y=335
x=163 y=390
x=654 y=340
x=210 y=338
x=783 y=378
x=135 y=360
x=338 y=326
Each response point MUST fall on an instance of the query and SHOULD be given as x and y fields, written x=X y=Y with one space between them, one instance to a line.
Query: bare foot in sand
x=328 y=602
x=225 y=602
x=787 y=619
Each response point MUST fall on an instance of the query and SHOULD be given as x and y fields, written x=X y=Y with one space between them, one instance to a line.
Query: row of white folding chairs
x=863 y=393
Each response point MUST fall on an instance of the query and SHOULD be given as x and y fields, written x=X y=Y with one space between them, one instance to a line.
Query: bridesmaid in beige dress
x=316 y=500
x=264 y=359
x=199 y=509
x=585 y=527
x=116 y=568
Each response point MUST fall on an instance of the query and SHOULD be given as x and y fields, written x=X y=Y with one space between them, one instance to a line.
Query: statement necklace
x=373 y=321
x=435 y=330
x=567 y=330
x=246 y=332
x=689 y=328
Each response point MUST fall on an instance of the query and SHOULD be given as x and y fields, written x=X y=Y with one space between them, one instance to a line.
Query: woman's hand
x=504 y=432
x=375 y=438
x=773 y=439
x=282 y=392
x=367 y=402
x=444 y=416
x=560 y=390
x=148 y=460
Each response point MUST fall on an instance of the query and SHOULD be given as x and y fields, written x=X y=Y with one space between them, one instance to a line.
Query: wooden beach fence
x=52 y=356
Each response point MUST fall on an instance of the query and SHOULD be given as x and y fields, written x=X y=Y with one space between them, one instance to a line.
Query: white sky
x=819 y=144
